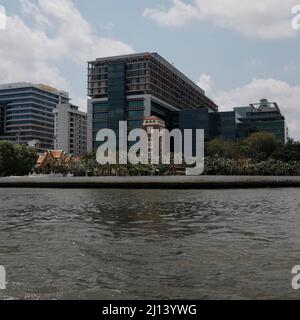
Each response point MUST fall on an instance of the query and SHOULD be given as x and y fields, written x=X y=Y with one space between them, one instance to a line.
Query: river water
x=116 y=244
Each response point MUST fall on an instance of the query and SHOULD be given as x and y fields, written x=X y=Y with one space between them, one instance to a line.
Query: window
x=100 y=125
x=136 y=114
x=103 y=116
x=98 y=107
x=135 y=123
x=138 y=103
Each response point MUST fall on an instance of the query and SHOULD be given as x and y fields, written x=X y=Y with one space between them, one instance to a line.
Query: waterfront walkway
x=168 y=182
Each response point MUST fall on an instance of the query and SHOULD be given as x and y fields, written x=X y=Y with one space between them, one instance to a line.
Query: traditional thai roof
x=152 y=118
x=41 y=159
x=53 y=155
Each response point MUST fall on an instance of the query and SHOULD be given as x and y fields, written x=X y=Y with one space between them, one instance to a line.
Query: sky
x=238 y=51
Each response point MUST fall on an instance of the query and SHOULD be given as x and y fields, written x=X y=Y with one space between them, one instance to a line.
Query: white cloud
x=285 y=95
x=266 y=19
x=205 y=82
x=59 y=33
x=176 y=16
x=34 y=11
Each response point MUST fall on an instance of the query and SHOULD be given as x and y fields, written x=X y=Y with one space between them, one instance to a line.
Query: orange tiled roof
x=56 y=154
x=53 y=154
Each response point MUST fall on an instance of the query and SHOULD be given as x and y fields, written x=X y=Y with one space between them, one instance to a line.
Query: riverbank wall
x=166 y=182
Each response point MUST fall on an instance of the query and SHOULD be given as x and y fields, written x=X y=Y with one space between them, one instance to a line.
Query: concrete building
x=70 y=129
x=135 y=86
x=27 y=115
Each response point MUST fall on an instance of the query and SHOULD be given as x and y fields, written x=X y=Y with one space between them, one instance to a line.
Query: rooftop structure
x=263 y=116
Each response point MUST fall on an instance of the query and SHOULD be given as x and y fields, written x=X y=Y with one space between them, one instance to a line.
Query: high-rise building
x=27 y=113
x=1 y=120
x=70 y=129
x=135 y=86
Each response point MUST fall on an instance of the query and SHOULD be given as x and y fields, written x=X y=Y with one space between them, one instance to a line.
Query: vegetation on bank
x=16 y=159
x=260 y=146
x=259 y=154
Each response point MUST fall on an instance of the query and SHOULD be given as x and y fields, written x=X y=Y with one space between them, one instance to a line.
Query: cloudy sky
x=237 y=50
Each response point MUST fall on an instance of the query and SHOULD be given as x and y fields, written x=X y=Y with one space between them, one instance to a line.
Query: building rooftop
x=156 y=56
x=18 y=85
x=265 y=106
x=153 y=118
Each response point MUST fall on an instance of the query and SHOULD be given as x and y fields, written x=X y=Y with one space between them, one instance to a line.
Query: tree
x=220 y=147
x=16 y=159
x=25 y=159
x=261 y=145
x=288 y=152
x=7 y=158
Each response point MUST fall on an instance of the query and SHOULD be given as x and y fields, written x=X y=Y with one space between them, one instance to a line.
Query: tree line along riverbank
x=259 y=154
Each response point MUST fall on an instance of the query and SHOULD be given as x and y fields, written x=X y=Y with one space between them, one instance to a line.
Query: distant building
x=1 y=120
x=264 y=116
x=27 y=113
x=131 y=87
x=70 y=129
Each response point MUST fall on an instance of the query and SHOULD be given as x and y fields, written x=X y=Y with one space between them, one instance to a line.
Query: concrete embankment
x=172 y=182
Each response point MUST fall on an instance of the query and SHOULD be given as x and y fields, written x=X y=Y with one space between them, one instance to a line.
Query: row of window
x=30 y=122
x=33 y=127
x=136 y=113
x=98 y=77
x=22 y=117
x=32 y=130
x=131 y=123
x=135 y=66
x=137 y=73
x=38 y=104
x=31 y=94
x=104 y=106
x=30 y=110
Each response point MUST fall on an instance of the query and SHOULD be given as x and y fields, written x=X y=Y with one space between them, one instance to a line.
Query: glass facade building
x=238 y=124
x=264 y=116
x=1 y=120
x=214 y=123
x=27 y=113
x=132 y=87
